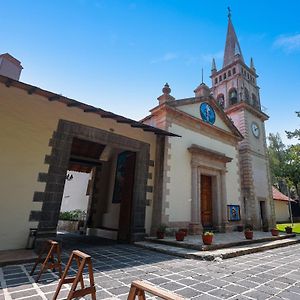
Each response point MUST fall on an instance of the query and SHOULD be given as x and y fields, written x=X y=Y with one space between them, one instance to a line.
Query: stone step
x=223 y=253
x=191 y=244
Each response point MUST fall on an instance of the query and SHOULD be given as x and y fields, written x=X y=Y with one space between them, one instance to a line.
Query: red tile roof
x=277 y=195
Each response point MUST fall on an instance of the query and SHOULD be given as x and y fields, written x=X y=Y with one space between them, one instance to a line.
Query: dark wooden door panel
x=206 y=201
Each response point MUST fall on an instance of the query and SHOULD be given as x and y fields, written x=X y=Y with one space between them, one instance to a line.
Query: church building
x=197 y=163
x=217 y=175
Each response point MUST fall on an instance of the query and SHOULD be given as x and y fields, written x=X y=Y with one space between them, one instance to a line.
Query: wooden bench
x=138 y=288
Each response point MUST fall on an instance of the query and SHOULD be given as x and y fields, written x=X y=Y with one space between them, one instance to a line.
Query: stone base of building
x=195 y=228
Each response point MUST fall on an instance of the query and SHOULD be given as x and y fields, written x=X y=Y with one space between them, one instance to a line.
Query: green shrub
x=73 y=215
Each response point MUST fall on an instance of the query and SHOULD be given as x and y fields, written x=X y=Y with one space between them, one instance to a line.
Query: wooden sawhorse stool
x=138 y=288
x=82 y=260
x=52 y=248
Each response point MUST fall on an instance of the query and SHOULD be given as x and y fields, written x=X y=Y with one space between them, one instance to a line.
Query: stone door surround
x=58 y=161
x=207 y=162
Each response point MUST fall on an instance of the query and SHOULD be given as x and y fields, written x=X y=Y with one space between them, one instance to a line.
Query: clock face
x=255 y=129
x=207 y=113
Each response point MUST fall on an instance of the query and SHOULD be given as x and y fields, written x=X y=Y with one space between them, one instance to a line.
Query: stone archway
x=58 y=165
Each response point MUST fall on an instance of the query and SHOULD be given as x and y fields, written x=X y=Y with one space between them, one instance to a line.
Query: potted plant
x=161 y=230
x=288 y=229
x=274 y=232
x=248 y=232
x=185 y=230
x=207 y=237
x=180 y=235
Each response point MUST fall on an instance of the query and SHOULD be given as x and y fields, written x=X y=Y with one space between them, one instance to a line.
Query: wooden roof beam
x=32 y=90
x=54 y=98
x=8 y=82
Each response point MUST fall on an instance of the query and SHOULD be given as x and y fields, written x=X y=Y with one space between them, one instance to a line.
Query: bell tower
x=235 y=89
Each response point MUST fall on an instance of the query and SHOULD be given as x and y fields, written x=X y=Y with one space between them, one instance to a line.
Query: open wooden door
x=127 y=159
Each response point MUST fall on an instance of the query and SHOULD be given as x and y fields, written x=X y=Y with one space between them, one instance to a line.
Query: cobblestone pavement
x=273 y=274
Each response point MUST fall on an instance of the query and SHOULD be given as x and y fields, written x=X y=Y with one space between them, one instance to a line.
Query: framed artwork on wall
x=233 y=212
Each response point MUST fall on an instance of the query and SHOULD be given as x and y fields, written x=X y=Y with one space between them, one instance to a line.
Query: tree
x=296 y=132
x=292 y=166
x=284 y=164
x=276 y=153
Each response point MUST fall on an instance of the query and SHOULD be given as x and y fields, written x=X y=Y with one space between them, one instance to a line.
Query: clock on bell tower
x=235 y=89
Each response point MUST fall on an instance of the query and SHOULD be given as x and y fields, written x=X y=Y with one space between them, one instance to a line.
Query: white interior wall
x=74 y=196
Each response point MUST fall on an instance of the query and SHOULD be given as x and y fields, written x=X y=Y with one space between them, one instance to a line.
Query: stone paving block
x=17 y=281
x=20 y=287
x=222 y=293
x=203 y=287
x=269 y=290
x=63 y=294
x=294 y=289
x=119 y=290
x=288 y=295
x=25 y=293
x=238 y=289
x=110 y=284
x=188 y=281
x=217 y=282
x=257 y=295
x=277 y=284
x=188 y=292
x=248 y=283
x=202 y=278
x=172 y=286
x=205 y=297
x=102 y=294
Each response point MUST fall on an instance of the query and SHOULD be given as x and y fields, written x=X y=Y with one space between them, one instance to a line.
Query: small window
x=216 y=80
x=233 y=71
x=248 y=75
x=247 y=97
x=232 y=96
x=220 y=78
x=254 y=100
x=224 y=76
x=229 y=73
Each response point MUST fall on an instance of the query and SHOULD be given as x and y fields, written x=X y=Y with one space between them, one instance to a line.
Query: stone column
x=195 y=226
x=225 y=222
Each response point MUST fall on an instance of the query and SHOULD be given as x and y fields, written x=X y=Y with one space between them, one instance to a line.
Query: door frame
x=61 y=143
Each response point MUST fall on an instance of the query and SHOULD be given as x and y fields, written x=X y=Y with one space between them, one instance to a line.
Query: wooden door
x=126 y=194
x=206 y=201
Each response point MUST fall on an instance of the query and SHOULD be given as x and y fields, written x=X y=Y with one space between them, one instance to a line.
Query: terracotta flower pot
x=160 y=235
x=248 y=234
x=207 y=239
x=275 y=232
x=185 y=230
x=288 y=230
x=180 y=235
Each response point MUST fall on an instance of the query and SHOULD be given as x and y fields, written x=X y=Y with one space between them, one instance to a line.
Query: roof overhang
x=85 y=107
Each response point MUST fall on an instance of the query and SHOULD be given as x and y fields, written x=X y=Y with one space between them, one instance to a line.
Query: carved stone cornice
x=208 y=153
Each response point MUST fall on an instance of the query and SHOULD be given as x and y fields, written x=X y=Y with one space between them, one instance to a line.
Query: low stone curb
x=223 y=253
x=200 y=247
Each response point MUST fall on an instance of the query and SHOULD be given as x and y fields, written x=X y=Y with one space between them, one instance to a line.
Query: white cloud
x=166 y=57
x=288 y=43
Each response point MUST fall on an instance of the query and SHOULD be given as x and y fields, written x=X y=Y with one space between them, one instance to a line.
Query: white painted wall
x=74 y=196
x=179 y=197
x=281 y=211
x=194 y=110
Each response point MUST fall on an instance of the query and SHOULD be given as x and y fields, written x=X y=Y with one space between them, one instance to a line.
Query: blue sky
x=117 y=55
